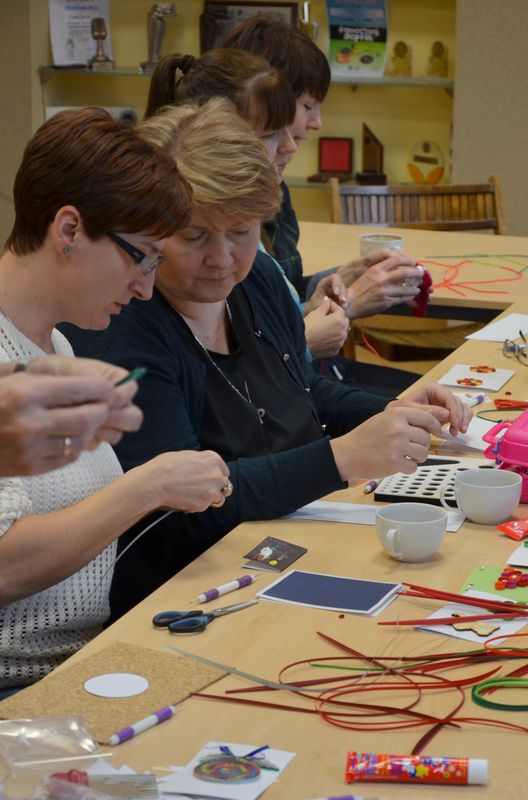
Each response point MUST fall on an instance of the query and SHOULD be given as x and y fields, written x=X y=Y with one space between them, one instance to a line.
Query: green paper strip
x=498 y=683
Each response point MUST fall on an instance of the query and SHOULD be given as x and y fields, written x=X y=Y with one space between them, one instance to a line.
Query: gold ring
x=227 y=490
x=68 y=449
x=217 y=504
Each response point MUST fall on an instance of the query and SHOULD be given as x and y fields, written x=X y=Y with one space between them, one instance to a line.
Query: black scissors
x=194 y=621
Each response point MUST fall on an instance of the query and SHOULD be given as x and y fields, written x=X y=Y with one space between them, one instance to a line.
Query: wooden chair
x=439 y=207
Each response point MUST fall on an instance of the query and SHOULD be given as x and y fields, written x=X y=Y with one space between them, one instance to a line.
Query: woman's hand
x=122 y=415
x=189 y=480
x=440 y=402
x=326 y=329
x=396 y=440
x=331 y=286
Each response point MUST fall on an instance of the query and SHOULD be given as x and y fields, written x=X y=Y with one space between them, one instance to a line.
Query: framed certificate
x=220 y=17
x=72 y=44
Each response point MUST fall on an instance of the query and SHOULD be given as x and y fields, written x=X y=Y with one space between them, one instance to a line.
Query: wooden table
x=263 y=639
x=323 y=244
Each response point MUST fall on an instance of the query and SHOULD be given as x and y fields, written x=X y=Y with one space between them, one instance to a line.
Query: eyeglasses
x=146 y=263
x=511 y=349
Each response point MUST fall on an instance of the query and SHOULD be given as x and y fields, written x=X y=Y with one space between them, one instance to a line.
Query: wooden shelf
x=47 y=72
x=425 y=82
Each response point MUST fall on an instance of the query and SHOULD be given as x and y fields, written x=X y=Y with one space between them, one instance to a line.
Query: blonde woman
x=225 y=349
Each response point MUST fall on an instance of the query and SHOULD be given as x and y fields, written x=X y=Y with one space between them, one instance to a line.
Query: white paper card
x=488 y=381
x=505 y=328
x=471 y=440
x=357 y=513
x=186 y=783
x=505 y=627
x=519 y=557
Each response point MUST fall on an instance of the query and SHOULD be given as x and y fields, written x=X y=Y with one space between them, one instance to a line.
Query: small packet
x=36 y=747
x=516 y=529
x=53 y=788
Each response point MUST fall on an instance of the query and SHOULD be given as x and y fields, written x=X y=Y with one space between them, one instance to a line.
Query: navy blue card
x=331 y=592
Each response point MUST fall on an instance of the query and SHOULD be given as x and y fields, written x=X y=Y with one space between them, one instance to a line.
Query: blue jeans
x=8 y=692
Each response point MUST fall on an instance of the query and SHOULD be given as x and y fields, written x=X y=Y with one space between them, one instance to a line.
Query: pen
x=143 y=725
x=212 y=594
x=346 y=797
x=474 y=400
x=134 y=375
x=370 y=486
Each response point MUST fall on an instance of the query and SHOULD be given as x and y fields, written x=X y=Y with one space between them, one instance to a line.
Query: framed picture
x=220 y=17
x=336 y=159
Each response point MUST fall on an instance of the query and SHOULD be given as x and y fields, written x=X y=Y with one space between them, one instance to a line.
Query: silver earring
x=66 y=250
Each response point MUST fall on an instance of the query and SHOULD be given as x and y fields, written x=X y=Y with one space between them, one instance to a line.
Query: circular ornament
x=227 y=769
x=469 y=381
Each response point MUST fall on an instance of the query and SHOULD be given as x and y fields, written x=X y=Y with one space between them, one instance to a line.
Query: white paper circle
x=116 y=684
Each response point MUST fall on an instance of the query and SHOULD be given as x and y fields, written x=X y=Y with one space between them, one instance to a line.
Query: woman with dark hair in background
x=375 y=282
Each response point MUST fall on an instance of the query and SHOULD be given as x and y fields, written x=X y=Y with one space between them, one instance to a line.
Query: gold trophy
x=100 y=61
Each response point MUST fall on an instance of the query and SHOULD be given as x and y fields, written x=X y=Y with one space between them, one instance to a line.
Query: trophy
x=308 y=26
x=155 y=30
x=372 y=173
x=100 y=61
x=437 y=63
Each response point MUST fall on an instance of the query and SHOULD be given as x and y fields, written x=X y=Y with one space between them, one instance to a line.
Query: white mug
x=411 y=531
x=486 y=496
x=378 y=241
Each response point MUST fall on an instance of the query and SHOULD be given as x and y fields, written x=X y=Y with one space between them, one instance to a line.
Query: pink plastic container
x=509 y=447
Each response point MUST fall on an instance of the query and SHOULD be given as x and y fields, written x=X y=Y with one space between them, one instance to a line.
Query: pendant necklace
x=245 y=397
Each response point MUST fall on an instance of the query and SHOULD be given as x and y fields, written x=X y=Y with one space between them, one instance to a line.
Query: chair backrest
x=439 y=207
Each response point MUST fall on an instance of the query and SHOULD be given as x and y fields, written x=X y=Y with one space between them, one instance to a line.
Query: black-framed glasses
x=512 y=349
x=146 y=263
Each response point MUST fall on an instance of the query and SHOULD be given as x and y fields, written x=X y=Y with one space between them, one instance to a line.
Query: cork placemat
x=171 y=679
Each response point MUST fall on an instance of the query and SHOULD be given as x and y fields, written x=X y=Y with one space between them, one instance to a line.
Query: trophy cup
x=100 y=61
x=156 y=17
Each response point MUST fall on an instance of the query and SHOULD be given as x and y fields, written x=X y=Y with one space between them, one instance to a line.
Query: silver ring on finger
x=68 y=447
x=227 y=490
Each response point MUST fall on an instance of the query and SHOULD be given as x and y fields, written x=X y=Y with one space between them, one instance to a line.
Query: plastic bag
x=53 y=789
x=42 y=746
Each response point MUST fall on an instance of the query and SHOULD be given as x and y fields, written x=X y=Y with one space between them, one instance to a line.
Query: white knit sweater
x=40 y=631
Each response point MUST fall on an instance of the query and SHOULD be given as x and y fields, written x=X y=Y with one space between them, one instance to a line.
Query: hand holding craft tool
x=134 y=375
x=212 y=594
x=142 y=725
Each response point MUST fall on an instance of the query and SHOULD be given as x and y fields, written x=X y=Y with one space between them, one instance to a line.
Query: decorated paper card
x=477 y=632
x=476 y=376
x=229 y=771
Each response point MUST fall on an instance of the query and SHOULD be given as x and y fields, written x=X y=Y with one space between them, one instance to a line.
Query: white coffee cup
x=486 y=496
x=411 y=531
x=369 y=242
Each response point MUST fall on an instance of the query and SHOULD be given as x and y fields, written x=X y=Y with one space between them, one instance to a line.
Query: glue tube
x=415 y=769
